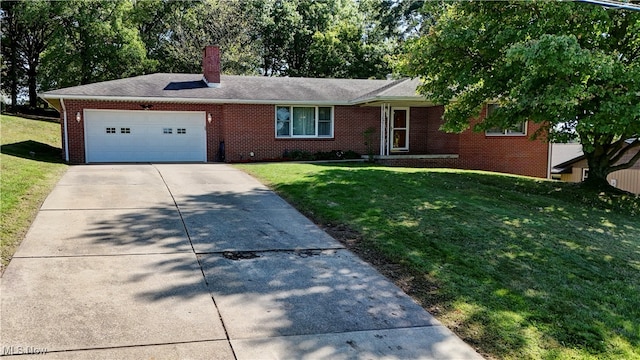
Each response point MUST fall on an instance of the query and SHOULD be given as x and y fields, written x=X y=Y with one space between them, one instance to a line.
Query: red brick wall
x=418 y=131
x=244 y=128
x=508 y=154
x=251 y=128
x=477 y=151
x=425 y=136
x=438 y=141
x=76 y=129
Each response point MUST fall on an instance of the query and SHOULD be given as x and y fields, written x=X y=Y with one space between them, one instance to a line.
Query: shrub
x=301 y=155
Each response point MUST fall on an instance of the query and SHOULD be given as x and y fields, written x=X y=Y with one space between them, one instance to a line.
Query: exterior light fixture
x=78 y=116
x=209 y=118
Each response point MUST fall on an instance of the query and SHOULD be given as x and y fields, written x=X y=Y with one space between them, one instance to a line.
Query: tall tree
x=27 y=28
x=97 y=42
x=10 y=63
x=37 y=23
x=572 y=67
x=332 y=38
x=190 y=26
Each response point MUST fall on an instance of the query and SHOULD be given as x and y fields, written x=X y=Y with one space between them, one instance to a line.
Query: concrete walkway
x=199 y=261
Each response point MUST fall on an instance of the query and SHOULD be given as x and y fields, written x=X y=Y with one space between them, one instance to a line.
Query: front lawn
x=518 y=267
x=30 y=165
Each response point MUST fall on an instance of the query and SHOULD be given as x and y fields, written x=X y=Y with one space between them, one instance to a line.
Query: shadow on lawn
x=516 y=261
x=33 y=150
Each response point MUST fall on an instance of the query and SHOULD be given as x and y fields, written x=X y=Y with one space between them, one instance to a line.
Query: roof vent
x=211 y=66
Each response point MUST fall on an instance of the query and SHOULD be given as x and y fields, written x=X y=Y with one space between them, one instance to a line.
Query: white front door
x=144 y=136
x=399 y=129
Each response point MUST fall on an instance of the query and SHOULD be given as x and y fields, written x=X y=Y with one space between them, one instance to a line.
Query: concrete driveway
x=198 y=261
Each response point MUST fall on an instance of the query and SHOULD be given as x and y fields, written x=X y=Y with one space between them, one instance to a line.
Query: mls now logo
x=22 y=350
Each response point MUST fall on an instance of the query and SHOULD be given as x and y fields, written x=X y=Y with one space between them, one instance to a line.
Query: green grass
x=30 y=165
x=518 y=267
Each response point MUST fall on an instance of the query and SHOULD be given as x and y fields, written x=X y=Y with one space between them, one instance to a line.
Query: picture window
x=304 y=121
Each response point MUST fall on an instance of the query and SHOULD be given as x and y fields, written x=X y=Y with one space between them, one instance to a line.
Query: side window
x=283 y=121
x=324 y=121
x=517 y=129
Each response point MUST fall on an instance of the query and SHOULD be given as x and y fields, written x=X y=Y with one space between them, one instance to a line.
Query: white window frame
x=505 y=132
x=316 y=120
x=393 y=129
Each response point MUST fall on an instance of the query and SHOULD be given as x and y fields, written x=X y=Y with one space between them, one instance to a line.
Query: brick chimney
x=211 y=66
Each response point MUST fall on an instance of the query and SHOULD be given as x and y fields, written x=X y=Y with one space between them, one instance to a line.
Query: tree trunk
x=13 y=75
x=13 y=57
x=32 y=81
x=599 y=167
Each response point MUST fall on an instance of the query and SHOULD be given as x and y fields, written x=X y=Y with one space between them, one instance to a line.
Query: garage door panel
x=145 y=138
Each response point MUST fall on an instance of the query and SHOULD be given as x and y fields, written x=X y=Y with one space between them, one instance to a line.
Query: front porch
x=410 y=132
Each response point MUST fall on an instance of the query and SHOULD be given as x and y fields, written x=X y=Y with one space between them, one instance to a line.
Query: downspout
x=549 y=158
x=382 y=135
x=387 y=121
x=66 y=134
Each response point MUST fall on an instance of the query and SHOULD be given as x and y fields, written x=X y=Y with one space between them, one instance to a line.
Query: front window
x=304 y=121
x=519 y=128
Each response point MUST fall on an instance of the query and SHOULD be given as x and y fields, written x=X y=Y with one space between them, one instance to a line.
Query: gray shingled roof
x=240 y=89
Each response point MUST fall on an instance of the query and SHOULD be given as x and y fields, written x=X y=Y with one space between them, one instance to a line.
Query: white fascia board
x=391 y=99
x=193 y=100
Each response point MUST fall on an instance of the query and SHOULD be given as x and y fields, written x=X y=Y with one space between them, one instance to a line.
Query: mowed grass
x=30 y=165
x=518 y=267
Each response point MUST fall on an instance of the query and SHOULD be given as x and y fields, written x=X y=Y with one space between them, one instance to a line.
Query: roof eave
x=47 y=97
x=569 y=163
x=381 y=99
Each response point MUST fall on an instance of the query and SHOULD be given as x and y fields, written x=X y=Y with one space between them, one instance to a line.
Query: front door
x=399 y=129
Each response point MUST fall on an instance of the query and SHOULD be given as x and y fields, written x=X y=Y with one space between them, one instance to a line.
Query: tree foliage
x=572 y=67
x=332 y=38
x=95 y=41
x=26 y=28
x=50 y=44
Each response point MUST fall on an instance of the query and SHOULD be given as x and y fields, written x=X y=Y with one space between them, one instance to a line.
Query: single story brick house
x=212 y=117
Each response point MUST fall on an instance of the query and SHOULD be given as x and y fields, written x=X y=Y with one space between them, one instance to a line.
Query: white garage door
x=144 y=136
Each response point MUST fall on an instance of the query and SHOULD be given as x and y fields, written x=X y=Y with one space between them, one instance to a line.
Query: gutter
x=232 y=101
x=614 y=4
x=193 y=100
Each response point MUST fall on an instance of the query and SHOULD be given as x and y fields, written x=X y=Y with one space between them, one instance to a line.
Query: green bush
x=302 y=155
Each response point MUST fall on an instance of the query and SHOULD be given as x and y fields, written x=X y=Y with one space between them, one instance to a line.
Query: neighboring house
x=577 y=170
x=212 y=117
x=561 y=153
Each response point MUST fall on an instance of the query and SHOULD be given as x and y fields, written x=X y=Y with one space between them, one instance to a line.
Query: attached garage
x=145 y=136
